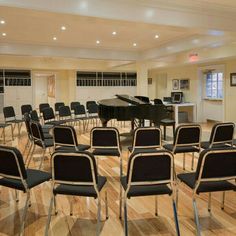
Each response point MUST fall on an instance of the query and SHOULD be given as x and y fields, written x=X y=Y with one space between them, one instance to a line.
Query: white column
x=142 y=78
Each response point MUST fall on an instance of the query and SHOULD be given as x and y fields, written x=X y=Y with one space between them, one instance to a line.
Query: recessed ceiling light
x=2 y=22
x=156 y=36
x=134 y=44
x=4 y=34
x=54 y=38
x=114 y=32
x=63 y=28
x=97 y=42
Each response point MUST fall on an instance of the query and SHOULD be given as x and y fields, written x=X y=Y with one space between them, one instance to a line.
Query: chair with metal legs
x=214 y=170
x=187 y=139
x=76 y=174
x=149 y=174
x=14 y=175
x=3 y=126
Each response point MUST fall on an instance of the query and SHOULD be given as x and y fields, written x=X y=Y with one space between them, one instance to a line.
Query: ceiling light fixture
x=2 y=22
x=156 y=36
x=54 y=38
x=4 y=34
x=114 y=32
x=97 y=42
x=63 y=28
x=134 y=44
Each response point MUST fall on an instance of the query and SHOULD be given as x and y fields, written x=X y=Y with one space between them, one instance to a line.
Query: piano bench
x=168 y=122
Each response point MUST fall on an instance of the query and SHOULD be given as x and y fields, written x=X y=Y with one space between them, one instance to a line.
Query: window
x=214 y=85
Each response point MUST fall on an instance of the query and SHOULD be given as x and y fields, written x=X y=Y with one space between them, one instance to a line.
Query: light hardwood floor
x=141 y=218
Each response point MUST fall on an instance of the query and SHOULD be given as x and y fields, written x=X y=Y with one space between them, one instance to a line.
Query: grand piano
x=128 y=108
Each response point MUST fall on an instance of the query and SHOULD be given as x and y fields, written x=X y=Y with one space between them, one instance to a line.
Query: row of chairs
x=148 y=174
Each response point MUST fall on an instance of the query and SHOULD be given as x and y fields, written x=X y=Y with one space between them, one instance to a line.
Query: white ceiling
x=182 y=25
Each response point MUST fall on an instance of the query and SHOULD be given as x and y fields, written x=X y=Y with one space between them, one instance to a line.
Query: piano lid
x=130 y=99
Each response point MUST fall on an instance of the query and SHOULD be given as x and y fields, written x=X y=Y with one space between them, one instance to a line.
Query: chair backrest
x=11 y=163
x=158 y=112
x=64 y=111
x=216 y=165
x=42 y=106
x=74 y=168
x=102 y=137
x=73 y=105
x=80 y=110
x=150 y=168
x=158 y=101
x=188 y=135
x=58 y=105
x=27 y=108
x=222 y=133
x=88 y=103
x=93 y=108
x=143 y=99
x=9 y=113
x=48 y=114
x=34 y=115
x=64 y=136
x=147 y=137
x=36 y=131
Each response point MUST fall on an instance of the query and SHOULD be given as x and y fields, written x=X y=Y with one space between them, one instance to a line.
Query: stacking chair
x=221 y=136
x=106 y=142
x=146 y=139
x=187 y=139
x=81 y=116
x=57 y=107
x=65 y=114
x=14 y=175
x=214 y=170
x=39 y=140
x=65 y=139
x=10 y=117
x=49 y=117
x=93 y=113
x=88 y=103
x=42 y=106
x=149 y=174
x=26 y=108
x=34 y=117
x=73 y=105
x=76 y=174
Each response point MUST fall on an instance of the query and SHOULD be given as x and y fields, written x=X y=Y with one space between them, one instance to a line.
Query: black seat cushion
x=181 y=149
x=80 y=147
x=206 y=144
x=49 y=142
x=106 y=152
x=143 y=150
x=167 y=122
x=55 y=122
x=34 y=177
x=3 y=125
x=145 y=190
x=80 y=190
x=15 y=121
x=189 y=179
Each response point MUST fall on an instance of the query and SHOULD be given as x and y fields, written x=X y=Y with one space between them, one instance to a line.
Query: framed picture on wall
x=184 y=84
x=232 y=79
x=175 y=84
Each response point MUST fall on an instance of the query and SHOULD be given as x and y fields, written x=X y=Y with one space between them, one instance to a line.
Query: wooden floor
x=142 y=220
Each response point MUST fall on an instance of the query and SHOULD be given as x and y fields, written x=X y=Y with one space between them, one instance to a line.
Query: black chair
x=187 y=139
x=143 y=99
x=88 y=103
x=146 y=139
x=76 y=174
x=49 y=117
x=221 y=136
x=106 y=142
x=149 y=174
x=65 y=114
x=57 y=106
x=93 y=113
x=14 y=175
x=214 y=170
x=81 y=116
x=73 y=105
x=26 y=108
x=10 y=118
x=65 y=139
x=34 y=117
x=39 y=140
x=42 y=106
